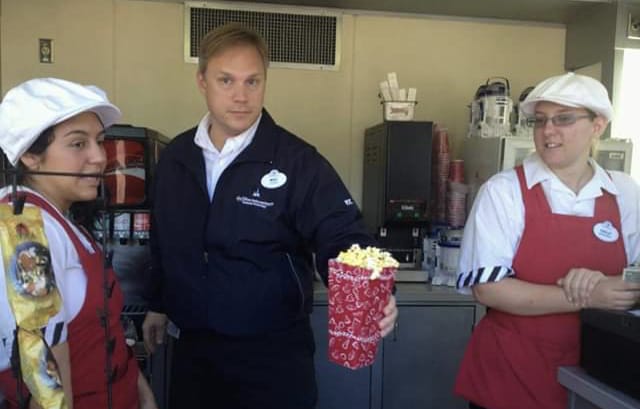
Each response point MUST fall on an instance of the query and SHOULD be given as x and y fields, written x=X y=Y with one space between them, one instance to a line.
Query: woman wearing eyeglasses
x=543 y=241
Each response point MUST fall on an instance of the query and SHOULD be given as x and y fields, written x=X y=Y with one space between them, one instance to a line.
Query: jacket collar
x=261 y=149
x=264 y=144
x=189 y=155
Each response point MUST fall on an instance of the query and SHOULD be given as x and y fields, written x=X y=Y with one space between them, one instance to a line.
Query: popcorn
x=370 y=258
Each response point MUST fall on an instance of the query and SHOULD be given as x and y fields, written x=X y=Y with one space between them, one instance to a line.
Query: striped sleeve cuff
x=468 y=279
x=55 y=333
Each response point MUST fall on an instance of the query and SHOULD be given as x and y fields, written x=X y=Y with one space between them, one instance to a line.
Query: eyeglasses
x=560 y=120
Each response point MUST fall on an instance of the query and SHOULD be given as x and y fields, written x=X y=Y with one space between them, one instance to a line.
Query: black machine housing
x=397 y=186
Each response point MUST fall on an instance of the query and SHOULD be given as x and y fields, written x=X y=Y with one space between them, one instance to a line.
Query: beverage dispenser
x=520 y=123
x=123 y=227
x=131 y=156
x=491 y=109
x=396 y=186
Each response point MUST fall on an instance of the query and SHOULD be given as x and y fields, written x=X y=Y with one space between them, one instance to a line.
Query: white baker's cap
x=572 y=90
x=35 y=105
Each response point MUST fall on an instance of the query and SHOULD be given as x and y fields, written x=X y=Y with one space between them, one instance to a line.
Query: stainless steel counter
x=586 y=392
x=413 y=293
x=417 y=363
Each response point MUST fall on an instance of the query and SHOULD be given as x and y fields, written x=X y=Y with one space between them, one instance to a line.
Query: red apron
x=86 y=335
x=512 y=360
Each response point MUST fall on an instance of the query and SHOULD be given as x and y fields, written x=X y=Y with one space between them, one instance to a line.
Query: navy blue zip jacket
x=241 y=264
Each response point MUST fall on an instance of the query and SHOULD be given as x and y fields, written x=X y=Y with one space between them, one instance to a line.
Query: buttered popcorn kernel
x=370 y=258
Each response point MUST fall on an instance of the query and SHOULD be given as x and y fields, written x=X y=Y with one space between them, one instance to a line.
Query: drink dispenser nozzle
x=141 y=226
x=122 y=227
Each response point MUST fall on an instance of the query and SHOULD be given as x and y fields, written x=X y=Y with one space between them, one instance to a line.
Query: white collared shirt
x=217 y=161
x=496 y=222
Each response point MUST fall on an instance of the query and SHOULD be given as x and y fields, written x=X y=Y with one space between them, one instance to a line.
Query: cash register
x=611 y=348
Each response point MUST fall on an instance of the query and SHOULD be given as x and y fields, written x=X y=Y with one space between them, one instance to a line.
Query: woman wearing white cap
x=52 y=271
x=542 y=241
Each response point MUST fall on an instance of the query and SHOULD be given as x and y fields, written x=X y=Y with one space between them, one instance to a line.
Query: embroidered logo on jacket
x=253 y=202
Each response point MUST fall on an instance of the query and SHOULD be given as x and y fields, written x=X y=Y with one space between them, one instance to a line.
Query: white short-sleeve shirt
x=496 y=222
x=70 y=278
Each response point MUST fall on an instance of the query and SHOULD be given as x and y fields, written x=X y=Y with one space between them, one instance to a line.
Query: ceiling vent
x=298 y=37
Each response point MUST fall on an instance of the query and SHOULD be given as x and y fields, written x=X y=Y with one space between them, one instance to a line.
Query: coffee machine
x=396 y=187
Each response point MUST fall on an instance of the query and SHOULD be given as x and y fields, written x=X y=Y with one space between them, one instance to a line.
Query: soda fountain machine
x=131 y=156
x=123 y=226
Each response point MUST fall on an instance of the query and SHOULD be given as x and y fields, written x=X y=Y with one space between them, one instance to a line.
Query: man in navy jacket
x=239 y=206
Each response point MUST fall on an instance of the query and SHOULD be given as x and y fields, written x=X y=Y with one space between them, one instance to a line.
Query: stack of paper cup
x=439 y=173
x=456 y=194
x=456 y=203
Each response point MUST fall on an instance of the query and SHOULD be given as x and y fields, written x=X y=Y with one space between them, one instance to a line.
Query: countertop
x=413 y=293
x=588 y=393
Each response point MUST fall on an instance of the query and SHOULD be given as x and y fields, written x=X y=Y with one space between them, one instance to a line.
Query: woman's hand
x=579 y=284
x=614 y=294
x=145 y=395
x=390 y=316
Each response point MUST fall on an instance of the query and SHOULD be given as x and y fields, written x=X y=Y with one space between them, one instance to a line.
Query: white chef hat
x=572 y=90
x=35 y=105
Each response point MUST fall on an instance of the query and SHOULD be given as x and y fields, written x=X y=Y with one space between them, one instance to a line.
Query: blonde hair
x=229 y=35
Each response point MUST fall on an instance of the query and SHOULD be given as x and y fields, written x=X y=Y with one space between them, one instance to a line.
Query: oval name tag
x=274 y=179
x=606 y=232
